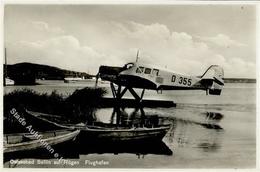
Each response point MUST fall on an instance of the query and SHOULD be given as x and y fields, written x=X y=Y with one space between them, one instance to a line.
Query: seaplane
x=145 y=76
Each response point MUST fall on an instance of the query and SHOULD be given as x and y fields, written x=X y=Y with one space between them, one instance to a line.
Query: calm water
x=207 y=131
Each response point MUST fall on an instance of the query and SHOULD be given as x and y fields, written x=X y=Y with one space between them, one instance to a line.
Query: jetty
x=108 y=102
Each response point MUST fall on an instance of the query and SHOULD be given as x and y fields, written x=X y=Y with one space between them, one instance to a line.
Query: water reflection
x=211 y=120
x=138 y=148
x=73 y=150
x=201 y=133
x=209 y=147
x=211 y=142
x=213 y=115
x=129 y=117
x=118 y=118
x=201 y=130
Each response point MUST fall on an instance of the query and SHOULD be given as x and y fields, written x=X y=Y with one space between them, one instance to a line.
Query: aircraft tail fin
x=213 y=79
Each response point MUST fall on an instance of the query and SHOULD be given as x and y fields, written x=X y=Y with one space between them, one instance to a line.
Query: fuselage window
x=140 y=69
x=147 y=70
x=155 y=72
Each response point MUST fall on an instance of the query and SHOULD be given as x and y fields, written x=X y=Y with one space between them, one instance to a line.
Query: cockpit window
x=140 y=69
x=147 y=70
x=128 y=65
x=155 y=72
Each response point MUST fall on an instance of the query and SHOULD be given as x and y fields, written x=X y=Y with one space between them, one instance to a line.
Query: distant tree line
x=239 y=80
x=27 y=73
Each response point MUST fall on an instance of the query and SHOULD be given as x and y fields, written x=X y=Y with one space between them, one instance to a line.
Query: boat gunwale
x=127 y=130
x=76 y=132
x=48 y=131
x=114 y=129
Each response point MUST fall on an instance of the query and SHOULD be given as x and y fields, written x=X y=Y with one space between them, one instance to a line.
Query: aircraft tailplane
x=213 y=79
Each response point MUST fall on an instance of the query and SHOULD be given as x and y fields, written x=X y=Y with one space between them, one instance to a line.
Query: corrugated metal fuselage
x=145 y=76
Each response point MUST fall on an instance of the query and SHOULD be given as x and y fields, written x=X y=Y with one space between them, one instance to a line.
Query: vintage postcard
x=169 y=86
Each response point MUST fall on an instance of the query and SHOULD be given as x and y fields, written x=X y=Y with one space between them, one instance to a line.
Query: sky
x=183 y=38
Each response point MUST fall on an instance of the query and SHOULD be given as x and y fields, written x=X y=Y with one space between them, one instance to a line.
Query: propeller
x=97 y=77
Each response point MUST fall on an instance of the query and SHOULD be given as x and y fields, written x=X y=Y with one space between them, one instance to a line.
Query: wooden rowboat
x=26 y=141
x=110 y=132
x=118 y=134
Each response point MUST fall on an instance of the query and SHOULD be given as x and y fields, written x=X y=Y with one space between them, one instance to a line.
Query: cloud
x=43 y=26
x=40 y=25
x=182 y=52
x=116 y=43
x=64 y=52
x=222 y=41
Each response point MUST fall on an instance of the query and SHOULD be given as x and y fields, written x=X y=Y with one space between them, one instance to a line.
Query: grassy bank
x=80 y=106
